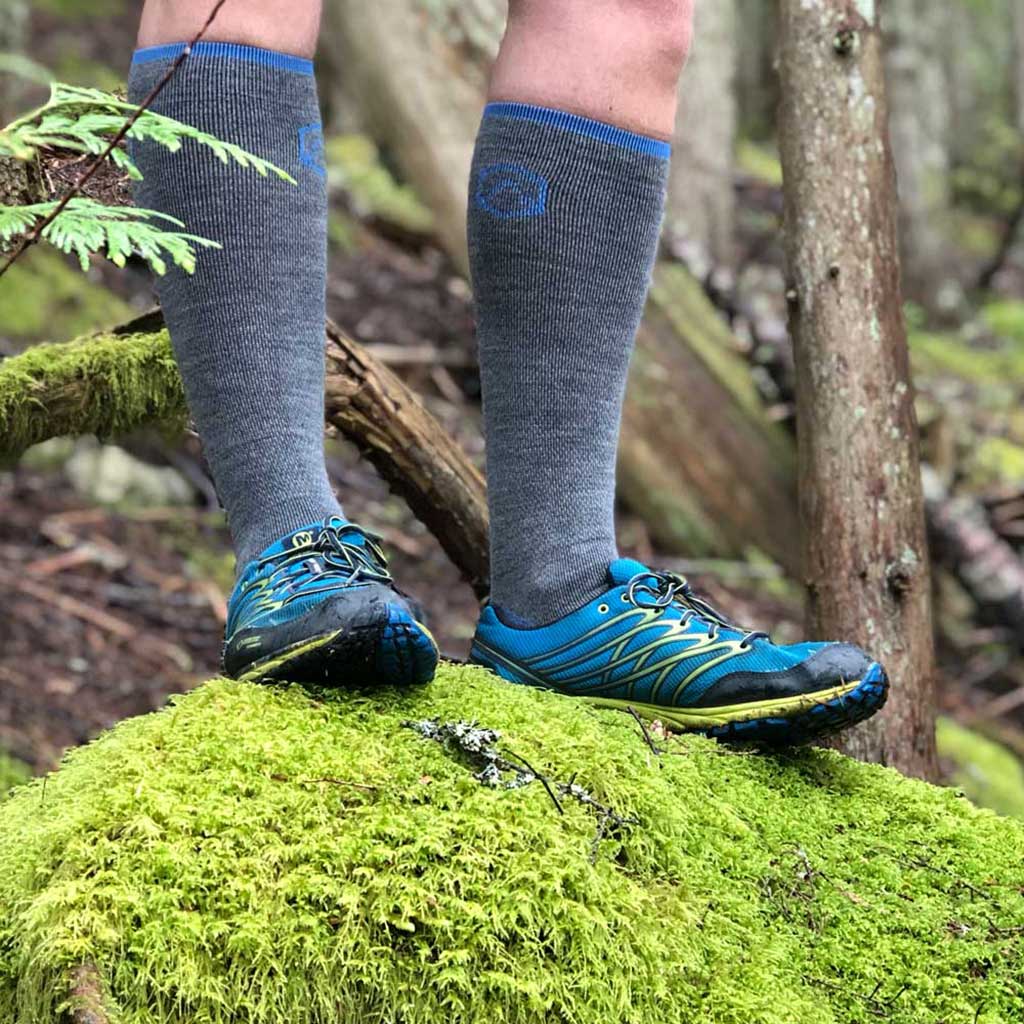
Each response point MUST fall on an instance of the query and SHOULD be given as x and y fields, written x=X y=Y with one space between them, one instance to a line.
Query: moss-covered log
x=271 y=856
x=109 y=384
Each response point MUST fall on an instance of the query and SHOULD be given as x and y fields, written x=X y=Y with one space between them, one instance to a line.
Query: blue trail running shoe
x=319 y=606
x=650 y=645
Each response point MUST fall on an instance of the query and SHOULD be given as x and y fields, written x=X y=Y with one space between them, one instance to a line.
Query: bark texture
x=86 y=990
x=865 y=554
x=919 y=126
x=701 y=199
x=412 y=451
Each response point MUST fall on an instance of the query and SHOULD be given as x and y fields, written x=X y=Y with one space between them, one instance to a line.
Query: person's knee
x=654 y=34
x=664 y=28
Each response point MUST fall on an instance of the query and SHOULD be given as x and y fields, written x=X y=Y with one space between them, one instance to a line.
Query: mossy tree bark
x=865 y=554
x=111 y=384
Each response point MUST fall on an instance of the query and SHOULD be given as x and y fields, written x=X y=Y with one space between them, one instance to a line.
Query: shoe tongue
x=622 y=570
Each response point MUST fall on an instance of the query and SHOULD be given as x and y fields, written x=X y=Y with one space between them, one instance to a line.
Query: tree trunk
x=13 y=25
x=701 y=197
x=865 y=555
x=418 y=71
x=756 y=82
x=919 y=105
x=700 y=460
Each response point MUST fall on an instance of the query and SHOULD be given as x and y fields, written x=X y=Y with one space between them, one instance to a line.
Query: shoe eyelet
x=624 y=598
x=603 y=609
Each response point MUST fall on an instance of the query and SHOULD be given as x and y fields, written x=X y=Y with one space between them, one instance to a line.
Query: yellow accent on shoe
x=259 y=670
x=699 y=719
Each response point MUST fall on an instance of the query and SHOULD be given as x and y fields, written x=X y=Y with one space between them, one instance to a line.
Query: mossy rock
x=274 y=856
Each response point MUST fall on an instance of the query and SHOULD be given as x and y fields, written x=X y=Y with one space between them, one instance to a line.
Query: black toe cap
x=831 y=666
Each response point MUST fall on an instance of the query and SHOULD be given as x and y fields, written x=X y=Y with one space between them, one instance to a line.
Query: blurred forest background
x=114 y=561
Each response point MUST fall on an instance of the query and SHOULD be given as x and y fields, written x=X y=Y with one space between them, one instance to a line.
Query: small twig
x=543 y=779
x=657 y=751
x=37 y=232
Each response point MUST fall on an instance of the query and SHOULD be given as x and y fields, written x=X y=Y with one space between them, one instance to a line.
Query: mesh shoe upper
x=295 y=574
x=650 y=639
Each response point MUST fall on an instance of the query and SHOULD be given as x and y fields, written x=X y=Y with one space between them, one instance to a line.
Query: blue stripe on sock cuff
x=234 y=51
x=581 y=126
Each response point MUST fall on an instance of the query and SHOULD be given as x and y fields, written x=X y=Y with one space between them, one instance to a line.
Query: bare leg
x=288 y=26
x=616 y=61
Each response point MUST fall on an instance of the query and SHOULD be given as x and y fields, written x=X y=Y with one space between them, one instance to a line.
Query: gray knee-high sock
x=248 y=326
x=564 y=216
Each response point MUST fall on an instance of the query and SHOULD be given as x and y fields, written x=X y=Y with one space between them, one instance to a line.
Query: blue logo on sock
x=511 y=191
x=311 y=148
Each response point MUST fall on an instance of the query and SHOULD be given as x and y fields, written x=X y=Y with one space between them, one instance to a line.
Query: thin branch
x=37 y=232
x=543 y=779
x=657 y=751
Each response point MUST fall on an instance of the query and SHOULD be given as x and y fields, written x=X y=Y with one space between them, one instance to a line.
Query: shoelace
x=673 y=589
x=339 y=557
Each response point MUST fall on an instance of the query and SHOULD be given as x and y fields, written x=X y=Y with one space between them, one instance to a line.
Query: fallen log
x=986 y=566
x=111 y=383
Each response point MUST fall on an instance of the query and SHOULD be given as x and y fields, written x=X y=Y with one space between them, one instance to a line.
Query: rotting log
x=866 y=564
x=984 y=564
x=111 y=383
x=86 y=990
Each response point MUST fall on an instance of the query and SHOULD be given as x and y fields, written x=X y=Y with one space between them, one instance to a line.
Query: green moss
x=995 y=460
x=990 y=774
x=999 y=365
x=12 y=773
x=256 y=856
x=105 y=385
x=42 y=297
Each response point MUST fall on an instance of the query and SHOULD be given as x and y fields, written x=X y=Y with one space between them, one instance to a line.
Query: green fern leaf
x=85 y=227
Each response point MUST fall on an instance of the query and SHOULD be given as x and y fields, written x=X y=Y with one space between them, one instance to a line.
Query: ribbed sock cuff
x=578 y=125
x=226 y=51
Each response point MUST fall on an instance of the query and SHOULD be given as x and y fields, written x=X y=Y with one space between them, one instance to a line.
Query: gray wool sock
x=248 y=326
x=564 y=217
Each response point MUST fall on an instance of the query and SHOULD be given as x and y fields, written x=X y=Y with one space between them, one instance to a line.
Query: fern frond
x=84 y=120
x=85 y=227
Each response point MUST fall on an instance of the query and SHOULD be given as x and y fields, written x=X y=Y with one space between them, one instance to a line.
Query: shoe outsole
x=791 y=721
x=395 y=651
